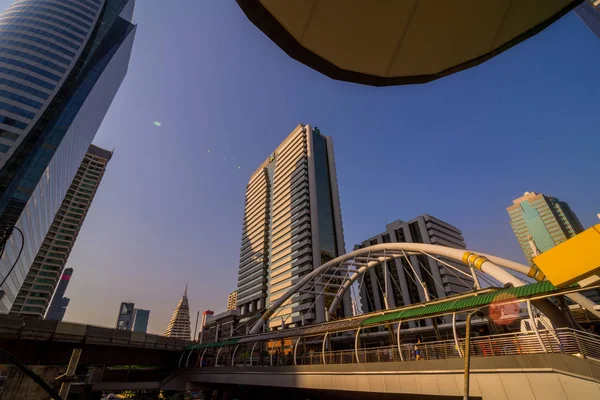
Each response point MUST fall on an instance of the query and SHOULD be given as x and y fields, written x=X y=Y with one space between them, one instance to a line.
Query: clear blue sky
x=461 y=148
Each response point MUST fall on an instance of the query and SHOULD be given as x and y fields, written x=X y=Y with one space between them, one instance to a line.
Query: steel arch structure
x=369 y=257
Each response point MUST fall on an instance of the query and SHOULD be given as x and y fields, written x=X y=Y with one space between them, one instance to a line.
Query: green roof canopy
x=227 y=342
x=464 y=304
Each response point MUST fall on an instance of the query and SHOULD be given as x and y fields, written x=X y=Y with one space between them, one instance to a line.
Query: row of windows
x=30 y=67
x=52 y=12
x=24 y=88
x=41 y=24
x=4 y=148
x=35 y=49
x=62 y=7
x=32 y=57
x=21 y=99
x=8 y=135
x=93 y=4
x=43 y=42
x=12 y=122
x=45 y=17
x=16 y=110
x=27 y=77
x=14 y=25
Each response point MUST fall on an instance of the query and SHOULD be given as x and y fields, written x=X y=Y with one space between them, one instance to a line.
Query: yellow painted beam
x=570 y=262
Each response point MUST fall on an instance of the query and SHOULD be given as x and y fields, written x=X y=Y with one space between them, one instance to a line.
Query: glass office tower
x=589 y=12
x=125 y=317
x=544 y=220
x=61 y=64
x=292 y=224
x=140 y=320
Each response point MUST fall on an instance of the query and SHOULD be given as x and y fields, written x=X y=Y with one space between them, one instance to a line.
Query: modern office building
x=405 y=276
x=179 y=325
x=232 y=300
x=59 y=303
x=140 y=320
x=542 y=220
x=589 y=12
x=292 y=224
x=61 y=64
x=125 y=317
x=41 y=280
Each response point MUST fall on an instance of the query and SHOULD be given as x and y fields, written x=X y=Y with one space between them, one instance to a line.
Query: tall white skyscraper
x=292 y=224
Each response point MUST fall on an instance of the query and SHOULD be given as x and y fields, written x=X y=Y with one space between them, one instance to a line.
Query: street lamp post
x=467 y=353
x=468 y=356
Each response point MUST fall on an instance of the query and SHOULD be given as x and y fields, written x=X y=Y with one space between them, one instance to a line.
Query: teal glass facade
x=536 y=227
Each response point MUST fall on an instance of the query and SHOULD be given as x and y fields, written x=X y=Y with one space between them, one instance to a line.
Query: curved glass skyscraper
x=61 y=64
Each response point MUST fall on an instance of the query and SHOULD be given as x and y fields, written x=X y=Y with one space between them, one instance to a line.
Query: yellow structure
x=572 y=261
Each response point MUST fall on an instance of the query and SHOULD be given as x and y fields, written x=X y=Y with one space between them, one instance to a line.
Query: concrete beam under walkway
x=524 y=377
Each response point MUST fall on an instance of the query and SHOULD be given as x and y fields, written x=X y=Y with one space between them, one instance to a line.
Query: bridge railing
x=23 y=328
x=563 y=340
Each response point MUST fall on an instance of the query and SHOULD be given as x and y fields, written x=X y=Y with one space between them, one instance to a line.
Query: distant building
x=404 y=286
x=222 y=326
x=206 y=316
x=59 y=303
x=125 y=317
x=542 y=220
x=140 y=320
x=292 y=224
x=589 y=12
x=179 y=326
x=232 y=300
x=41 y=280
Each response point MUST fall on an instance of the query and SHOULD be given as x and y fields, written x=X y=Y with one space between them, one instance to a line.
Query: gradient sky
x=168 y=211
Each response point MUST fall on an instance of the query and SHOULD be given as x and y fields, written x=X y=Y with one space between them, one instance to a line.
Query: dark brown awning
x=396 y=42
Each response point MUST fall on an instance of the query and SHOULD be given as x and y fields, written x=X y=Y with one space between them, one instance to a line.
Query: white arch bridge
x=347 y=269
x=387 y=343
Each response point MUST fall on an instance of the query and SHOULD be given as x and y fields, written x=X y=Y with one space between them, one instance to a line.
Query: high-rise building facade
x=125 y=316
x=61 y=64
x=179 y=325
x=405 y=276
x=232 y=300
x=292 y=224
x=542 y=220
x=140 y=320
x=41 y=280
x=589 y=12
x=59 y=303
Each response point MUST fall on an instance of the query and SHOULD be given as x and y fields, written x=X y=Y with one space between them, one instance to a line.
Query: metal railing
x=563 y=340
x=20 y=328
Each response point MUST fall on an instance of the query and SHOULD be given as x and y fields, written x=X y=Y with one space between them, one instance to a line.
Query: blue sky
x=169 y=211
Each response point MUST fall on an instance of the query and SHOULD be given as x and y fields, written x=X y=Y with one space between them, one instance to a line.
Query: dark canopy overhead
x=397 y=42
